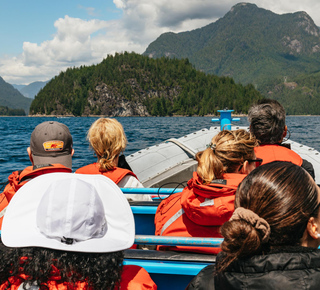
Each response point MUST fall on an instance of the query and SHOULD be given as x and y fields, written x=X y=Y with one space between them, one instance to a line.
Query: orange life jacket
x=19 y=178
x=274 y=152
x=198 y=211
x=116 y=174
x=132 y=278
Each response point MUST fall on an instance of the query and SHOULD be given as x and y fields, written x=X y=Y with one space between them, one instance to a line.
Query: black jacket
x=296 y=268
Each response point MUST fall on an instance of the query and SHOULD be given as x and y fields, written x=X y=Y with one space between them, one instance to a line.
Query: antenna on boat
x=225 y=119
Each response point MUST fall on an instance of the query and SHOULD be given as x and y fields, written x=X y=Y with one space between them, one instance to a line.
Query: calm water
x=141 y=132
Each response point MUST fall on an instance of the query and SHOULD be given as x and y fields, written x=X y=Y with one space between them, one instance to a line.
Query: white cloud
x=85 y=42
x=119 y=3
x=72 y=45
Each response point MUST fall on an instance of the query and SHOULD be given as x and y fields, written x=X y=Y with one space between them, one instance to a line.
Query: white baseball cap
x=71 y=212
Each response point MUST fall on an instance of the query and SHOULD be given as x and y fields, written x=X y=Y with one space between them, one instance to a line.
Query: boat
x=173 y=161
x=164 y=169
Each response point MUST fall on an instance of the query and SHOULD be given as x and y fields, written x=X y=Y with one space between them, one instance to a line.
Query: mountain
x=18 y=87
x=31 y=90
x=5 y=111
x=249 y=44
x=129 y=84
x=12 y=98
x=299 y=95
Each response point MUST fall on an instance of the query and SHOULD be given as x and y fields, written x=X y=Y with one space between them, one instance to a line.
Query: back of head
x=227 y=150
x=267 y=121
x=74 y=226
x=108 y=140
x=71 y=212
x=283 y=197
x=51 y=143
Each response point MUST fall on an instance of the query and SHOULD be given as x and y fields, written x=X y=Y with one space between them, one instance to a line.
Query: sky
x=39 y=39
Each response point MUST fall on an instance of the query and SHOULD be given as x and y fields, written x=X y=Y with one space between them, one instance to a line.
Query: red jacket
x=198 y=211
x=116 y=174
x=19 y=178
x=133 y=278
x=274 y=152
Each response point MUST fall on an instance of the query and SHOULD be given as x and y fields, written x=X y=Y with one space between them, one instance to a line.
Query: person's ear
x=72 y=152
x=313 y=228
x=245 y=167
x=285 y=131
x=30 y=155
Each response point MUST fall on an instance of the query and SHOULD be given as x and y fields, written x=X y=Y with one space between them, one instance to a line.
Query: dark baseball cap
x=51 y=143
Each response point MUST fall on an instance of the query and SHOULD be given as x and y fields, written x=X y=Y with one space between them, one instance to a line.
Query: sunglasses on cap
x=257 y=161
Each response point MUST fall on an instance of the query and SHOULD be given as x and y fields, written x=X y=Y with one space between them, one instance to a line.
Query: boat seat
x=144 y=218
x=155 y=202
x=170 y=269
x=169 y=256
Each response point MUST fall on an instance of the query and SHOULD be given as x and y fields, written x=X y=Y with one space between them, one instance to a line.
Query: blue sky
x=33 y=21
x=39 y=38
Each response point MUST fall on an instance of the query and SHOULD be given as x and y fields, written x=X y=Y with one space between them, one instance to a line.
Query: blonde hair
x=107 y=138
x=227 y=150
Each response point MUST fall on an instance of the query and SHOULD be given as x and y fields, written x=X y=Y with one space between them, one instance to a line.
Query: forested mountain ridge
x=5 y=111
x=12 y=98
x=130 y=84
x=299 y=95
x=249 y=44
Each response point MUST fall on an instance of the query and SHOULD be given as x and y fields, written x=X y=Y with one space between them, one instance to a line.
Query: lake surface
x=141 y=132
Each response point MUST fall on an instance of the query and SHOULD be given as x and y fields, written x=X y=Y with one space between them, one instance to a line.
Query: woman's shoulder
x=280 y=259
x=136 y=278
x=204 y=280
x=88 y=169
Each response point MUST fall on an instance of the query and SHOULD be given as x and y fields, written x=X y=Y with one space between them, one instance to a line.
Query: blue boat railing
x=171 y=269
x=174 y=269
x=177 y=241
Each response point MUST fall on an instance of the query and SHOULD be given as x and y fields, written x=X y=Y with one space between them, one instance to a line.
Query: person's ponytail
x=225 y=153
x=243 y=234
x=210 y=166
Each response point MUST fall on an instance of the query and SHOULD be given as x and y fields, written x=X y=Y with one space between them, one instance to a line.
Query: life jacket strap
x=170 y=221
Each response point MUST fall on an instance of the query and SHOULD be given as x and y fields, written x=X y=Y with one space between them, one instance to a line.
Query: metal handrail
x=177 y=241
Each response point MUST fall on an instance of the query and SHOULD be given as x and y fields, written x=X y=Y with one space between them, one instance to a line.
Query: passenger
x=208 y=200
x=268 y=123
x=71 y=235
x=50 y=151
x=271 y=240
x=107 y=138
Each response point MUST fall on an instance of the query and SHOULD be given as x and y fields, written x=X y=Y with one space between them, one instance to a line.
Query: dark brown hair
x=267 y=121
x=40 y=265
x=285 y=196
